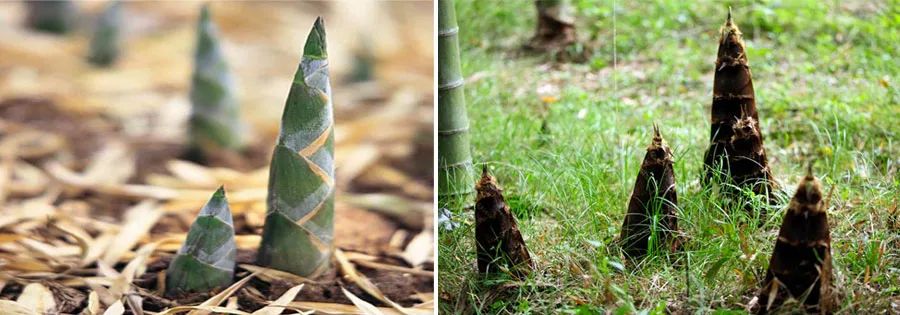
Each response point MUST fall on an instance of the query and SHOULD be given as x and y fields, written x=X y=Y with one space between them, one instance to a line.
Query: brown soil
x=371 y=238
x=254 y=156
x=355 y=230
x=362 y=231
x=84 y=135
x=396 y=286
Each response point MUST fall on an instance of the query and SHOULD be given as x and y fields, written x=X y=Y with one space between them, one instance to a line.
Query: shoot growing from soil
x=497 y=238
x=652 y=209
x=299 y=225
x=206 y=260
x=736 y=142
x=215 y=116
x=58 y=17
x=105 y=43
x=800 y=267
x=555 y=25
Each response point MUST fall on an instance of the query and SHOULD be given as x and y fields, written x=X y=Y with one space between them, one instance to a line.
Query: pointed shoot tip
x=204 y=11
x=809 y=169
x=217 y=206
x=484 y=170
x=316 y=47
x=729 y=15
x=656 y=130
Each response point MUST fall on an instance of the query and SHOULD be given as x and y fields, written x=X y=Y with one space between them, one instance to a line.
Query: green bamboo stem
x=299 y=226
x=215 y=116
x=105 y=43
x=207 y=258
x=455 y=175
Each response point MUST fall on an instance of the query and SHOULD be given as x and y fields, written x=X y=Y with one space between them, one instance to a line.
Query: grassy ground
x=826 y=79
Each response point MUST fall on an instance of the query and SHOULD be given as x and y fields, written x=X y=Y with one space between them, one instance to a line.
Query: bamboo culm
x=455 y=173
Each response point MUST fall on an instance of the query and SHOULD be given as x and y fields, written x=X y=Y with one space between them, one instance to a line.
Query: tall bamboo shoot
x=299 y=226
x=735 y=137
x=215 y=114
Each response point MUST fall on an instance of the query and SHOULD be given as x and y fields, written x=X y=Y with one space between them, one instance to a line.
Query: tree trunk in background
x=454 y=156
x=801 y=260
x=555 y=25
x=736 y=143
x=497 y=238
x=653 y=204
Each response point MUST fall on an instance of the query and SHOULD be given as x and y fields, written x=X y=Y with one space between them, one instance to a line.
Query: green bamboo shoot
x=105 y=43
x=299 y=226
x=206 y=260
x=215 y=116
x=454 y=157
x=57 y=17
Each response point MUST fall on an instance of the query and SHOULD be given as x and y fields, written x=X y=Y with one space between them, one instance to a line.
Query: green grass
x=826 y=79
